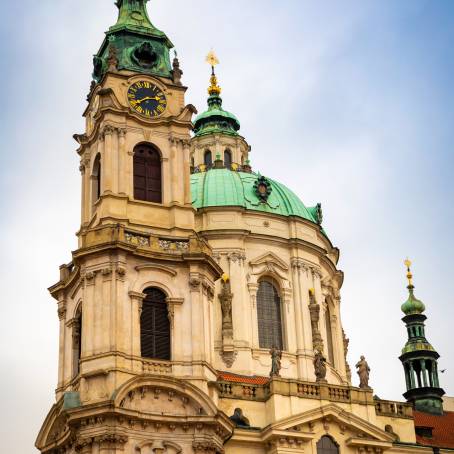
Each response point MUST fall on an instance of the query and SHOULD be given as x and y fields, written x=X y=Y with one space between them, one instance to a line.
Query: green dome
x=412 y=305
x=223 y=187
x=216 y=119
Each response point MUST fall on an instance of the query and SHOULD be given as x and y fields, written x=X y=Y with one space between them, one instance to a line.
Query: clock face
x=147 y=99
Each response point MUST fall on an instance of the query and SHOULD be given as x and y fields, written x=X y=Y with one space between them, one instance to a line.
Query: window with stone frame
x=155 y=325
x=269 y=316
x=147 y=173
x=326 y=445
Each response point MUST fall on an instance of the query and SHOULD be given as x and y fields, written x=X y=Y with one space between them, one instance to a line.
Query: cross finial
x=212 y=60
x=407 y=264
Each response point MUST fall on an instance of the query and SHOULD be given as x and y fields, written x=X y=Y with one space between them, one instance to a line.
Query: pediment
x=269 y=259
x=354 y=428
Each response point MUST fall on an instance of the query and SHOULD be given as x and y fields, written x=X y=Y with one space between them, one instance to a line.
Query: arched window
x=155 y=326
x=329 y=335
x=77 y=341
x=208 y=158
x=228 y=159
x=326 y=445
x=147 y=174
x=269 y=316
x=96 y=179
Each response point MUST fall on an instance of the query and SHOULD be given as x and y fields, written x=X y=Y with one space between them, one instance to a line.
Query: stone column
x=195 y=285
x=176 y=337
x=115 y=160
x=107 y=159
x=187 y=172
x=122 y=159
x=176 y=178
x=136 y=311
x=85 y=183
x=253 y=289
x=88 y=315
x=62 y=344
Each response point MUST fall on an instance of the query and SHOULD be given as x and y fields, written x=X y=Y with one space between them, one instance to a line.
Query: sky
x=348 y=102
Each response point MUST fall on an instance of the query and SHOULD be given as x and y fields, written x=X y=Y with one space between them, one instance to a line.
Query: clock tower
x=130 y=379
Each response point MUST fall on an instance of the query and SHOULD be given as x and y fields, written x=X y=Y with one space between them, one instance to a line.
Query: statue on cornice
x=320 y=366
x=363 y=372
x=276 y=362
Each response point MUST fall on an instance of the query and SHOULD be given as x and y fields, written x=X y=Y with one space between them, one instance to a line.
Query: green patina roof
x=135 y=43
x=417 y=347
x=412 y=305
x=223 y=187
x=216 y=119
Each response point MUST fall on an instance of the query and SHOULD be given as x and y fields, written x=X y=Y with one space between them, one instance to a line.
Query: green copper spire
x=215 y=119
x=134 y=44
x=418 y=357
x=412 y=305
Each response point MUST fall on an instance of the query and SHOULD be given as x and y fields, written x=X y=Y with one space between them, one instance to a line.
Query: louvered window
x=208 y=158
x=327 y=446
x=269 y=316
x=228 y=159
x=147 y=174
x=155 y=326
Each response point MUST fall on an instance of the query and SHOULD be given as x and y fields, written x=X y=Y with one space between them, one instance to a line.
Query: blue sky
x=349 y=103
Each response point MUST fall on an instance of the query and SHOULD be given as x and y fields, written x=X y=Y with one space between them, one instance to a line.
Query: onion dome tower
x=134 y=44
x=419 y=358
x=215 y=119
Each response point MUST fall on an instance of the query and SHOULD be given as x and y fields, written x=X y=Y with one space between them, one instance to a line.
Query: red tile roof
x=442 y=429
x=249 y=380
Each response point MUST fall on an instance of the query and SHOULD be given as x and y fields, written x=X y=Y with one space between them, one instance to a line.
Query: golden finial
x=212 y=60
x=407 y=264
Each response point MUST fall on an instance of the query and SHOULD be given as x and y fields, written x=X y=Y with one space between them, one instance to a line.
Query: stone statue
x=363 y=372
x=320 y=366
x=176 y=72
x=276 y=360
x=225 y=298
x=112 y=59
x=239 y=419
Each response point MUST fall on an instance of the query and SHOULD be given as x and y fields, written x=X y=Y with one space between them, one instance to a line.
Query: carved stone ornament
x=314 y=309
x=346 y=344
x=137 y=240
x=262 y=188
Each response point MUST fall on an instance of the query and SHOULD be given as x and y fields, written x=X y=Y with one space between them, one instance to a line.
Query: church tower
x=140 y=273
x=419 y=358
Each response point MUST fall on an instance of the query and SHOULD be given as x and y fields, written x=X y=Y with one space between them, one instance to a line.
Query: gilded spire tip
x=408 y=264
x=212 y=60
